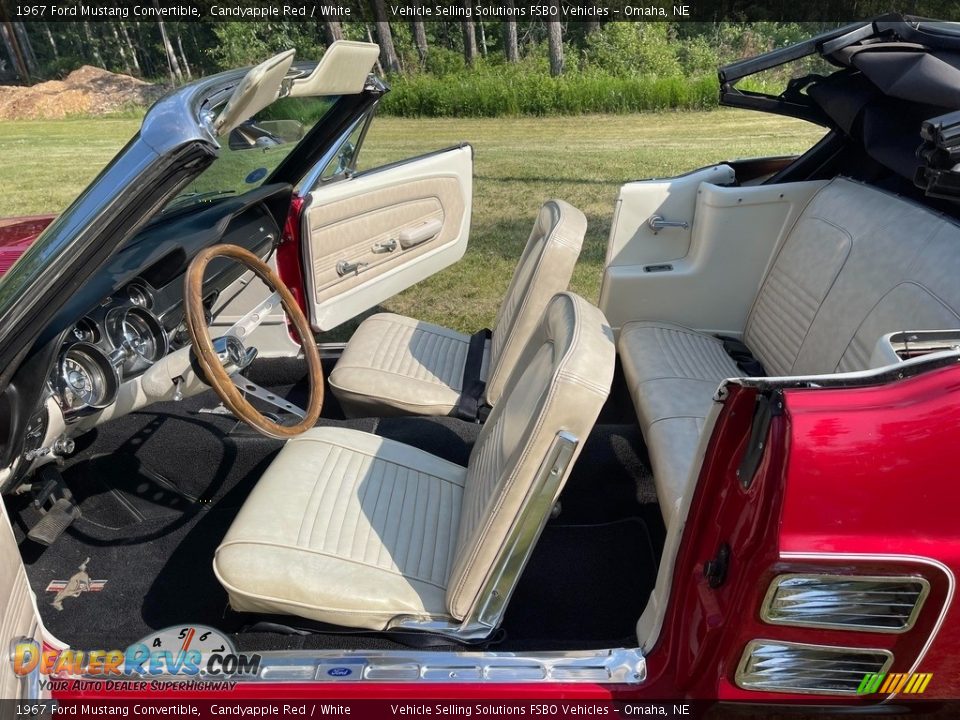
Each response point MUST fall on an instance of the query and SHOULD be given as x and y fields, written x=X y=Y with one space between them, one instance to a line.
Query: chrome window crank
x=345 y=267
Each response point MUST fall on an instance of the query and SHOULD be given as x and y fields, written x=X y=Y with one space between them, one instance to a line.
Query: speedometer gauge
x=86 y=378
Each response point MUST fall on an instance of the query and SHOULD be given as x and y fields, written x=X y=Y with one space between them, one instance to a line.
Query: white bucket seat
x=357 y=530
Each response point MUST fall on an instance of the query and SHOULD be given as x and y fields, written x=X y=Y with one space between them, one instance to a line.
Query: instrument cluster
x=115 y=342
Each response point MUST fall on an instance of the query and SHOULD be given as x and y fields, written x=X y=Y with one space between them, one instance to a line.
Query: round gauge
x=139 y=295
x=138 y=336
x=86 y=378
x=86 y=331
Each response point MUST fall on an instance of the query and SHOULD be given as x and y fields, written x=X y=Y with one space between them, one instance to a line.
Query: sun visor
x=342 y=70
x=259 y=87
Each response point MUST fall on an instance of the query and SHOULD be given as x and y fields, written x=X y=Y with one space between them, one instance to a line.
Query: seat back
x=858 y=264
x=544 y=270
x=525 y=452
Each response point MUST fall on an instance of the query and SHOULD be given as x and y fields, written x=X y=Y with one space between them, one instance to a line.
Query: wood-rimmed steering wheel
x=223 y=359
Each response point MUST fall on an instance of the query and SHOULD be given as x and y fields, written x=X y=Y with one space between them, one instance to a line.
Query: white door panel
x=633 y=241
x=373 y=235
x=733 y=235
x=19 y=618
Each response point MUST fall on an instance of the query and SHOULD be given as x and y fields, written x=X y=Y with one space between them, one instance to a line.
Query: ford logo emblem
x=339 y=672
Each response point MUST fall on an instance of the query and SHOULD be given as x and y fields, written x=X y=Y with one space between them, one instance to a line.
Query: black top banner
x=522 y=11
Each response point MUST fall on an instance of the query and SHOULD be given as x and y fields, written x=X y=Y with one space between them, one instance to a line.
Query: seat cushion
x=395 y=365
x=346 y=528
x=672 y=373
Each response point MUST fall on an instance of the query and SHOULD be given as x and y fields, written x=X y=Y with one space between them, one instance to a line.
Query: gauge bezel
x=89 y=325
x=139 y=288
x=95 y=358
x=129 y=359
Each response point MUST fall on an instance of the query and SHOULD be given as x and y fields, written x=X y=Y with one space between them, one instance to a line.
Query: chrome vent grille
x=776 y=666
x=845 y=602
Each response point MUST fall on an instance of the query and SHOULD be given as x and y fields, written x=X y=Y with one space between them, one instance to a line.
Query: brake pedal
x=54 y=522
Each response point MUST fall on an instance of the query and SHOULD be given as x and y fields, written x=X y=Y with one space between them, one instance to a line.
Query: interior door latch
x=345 y=267
x=385 y=247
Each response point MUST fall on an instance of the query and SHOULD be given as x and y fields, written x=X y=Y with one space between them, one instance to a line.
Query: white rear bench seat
x=859 y=263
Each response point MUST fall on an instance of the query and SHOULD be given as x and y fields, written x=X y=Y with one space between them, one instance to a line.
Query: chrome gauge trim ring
x=86 y=330
x=139 y=295
x=86 y=378
x=138 y=337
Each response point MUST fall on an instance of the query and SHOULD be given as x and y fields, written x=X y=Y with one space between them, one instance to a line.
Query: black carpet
x=159 y=489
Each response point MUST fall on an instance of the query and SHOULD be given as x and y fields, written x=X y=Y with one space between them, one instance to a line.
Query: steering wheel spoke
x=251 y=389
x=244 y=327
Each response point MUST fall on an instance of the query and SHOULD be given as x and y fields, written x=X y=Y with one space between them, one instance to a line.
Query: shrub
x=489 y=93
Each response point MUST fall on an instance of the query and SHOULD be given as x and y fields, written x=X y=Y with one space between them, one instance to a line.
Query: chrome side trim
x=824 y=594
x=486 y=613
x=860 y=378
x=890 y=557
x=761 y=660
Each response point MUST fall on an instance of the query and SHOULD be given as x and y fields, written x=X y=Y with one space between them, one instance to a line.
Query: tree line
x=177 y=51
x=174 y=53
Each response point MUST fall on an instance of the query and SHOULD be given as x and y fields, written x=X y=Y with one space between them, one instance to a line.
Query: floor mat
x=584 y=584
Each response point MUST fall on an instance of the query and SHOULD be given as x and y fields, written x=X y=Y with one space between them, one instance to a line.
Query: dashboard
x=96 y=358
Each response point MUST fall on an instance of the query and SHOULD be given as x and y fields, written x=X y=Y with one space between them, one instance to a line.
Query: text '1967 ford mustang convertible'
x=731 y=478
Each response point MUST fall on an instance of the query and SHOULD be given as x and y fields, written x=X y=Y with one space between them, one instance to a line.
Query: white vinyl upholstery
x=672 y=373
x=340 y=508
x=352 y=529
x=395 y=365
x=859 y=263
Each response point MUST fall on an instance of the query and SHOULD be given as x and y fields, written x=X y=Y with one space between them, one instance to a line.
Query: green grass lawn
x=519 y=163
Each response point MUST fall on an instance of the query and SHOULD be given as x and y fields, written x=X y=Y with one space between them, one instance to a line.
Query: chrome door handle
x=385 y=247
x=658 y=222
x=345 y=267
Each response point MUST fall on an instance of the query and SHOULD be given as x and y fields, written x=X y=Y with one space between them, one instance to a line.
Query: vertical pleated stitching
x=382 y=514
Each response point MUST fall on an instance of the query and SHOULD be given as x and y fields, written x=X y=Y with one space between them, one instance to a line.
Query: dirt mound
x=86 y=91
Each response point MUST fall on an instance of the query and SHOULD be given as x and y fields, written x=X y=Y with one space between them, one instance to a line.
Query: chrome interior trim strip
x=619 y=666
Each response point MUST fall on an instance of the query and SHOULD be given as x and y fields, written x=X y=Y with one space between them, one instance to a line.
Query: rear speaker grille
x=776 y=666
x=845 y=602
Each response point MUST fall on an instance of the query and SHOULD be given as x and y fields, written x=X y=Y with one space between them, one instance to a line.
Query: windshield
x=253 y=150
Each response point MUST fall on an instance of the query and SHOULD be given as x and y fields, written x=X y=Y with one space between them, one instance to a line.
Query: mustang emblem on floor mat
x=79 y=583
